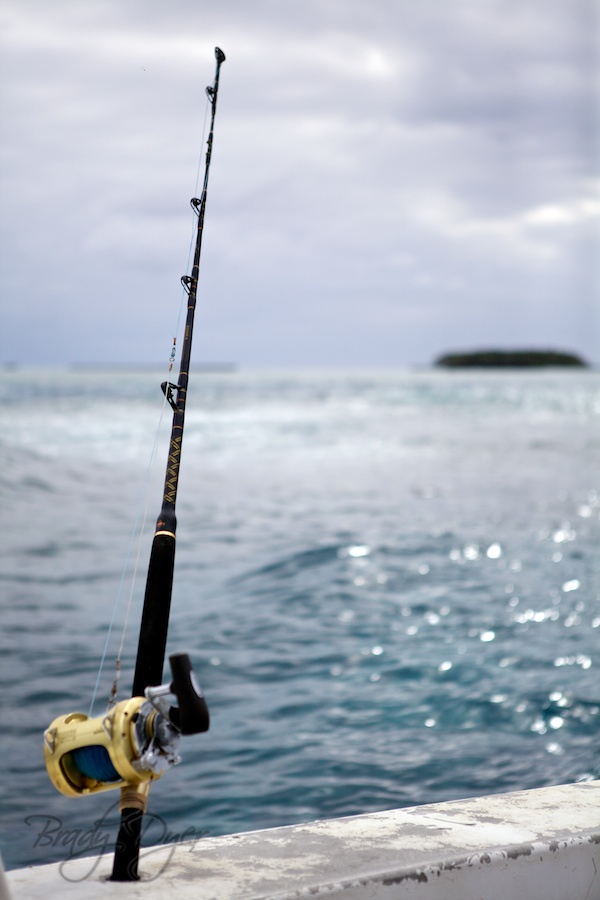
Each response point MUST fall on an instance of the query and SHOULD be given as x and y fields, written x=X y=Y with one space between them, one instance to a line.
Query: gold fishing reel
x=132 y=744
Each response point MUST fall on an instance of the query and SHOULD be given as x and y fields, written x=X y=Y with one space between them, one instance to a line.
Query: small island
x=496 y=359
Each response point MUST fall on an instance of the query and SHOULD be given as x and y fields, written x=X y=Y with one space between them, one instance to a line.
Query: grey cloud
x=389 y=178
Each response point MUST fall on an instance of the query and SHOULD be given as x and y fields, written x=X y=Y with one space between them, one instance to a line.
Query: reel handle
x=191 y=715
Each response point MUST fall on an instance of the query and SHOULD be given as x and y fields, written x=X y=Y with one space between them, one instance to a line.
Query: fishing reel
x=132 y=744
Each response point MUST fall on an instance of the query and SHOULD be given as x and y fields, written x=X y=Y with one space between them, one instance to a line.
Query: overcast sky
x=391 y=179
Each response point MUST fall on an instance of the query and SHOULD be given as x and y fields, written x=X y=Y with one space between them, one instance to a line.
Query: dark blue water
x=388 y=584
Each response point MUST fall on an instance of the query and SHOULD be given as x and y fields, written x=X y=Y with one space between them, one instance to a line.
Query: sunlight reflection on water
x=388 y=585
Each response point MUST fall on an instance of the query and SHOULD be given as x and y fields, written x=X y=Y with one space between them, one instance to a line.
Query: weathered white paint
x=520 y=846
x=4 y=894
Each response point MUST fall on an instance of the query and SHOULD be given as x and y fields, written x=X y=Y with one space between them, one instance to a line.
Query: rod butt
x=127 y=848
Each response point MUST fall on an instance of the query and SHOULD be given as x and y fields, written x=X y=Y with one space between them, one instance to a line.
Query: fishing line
x=139 y=528
x=141 y=531
x=193 y=220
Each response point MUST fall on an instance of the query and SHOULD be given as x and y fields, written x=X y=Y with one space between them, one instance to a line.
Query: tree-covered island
x=496 y=359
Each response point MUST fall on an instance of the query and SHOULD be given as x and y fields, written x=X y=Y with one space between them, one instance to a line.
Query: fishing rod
x=137 y=741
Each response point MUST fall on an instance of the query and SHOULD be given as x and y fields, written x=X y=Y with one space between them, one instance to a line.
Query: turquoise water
x=388 y=584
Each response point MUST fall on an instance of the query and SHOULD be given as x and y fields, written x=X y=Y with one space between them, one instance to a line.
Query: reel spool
x=133 y=744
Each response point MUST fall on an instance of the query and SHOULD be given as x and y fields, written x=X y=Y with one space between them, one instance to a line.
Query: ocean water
x=388 y=583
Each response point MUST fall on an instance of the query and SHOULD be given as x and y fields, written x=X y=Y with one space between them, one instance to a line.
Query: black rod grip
x=155 y=616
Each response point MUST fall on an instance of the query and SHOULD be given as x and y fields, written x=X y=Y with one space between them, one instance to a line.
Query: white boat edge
x=542 y=843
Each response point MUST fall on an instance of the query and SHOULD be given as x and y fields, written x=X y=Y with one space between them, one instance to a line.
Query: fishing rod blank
x=137 y=740
x=157 y=600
